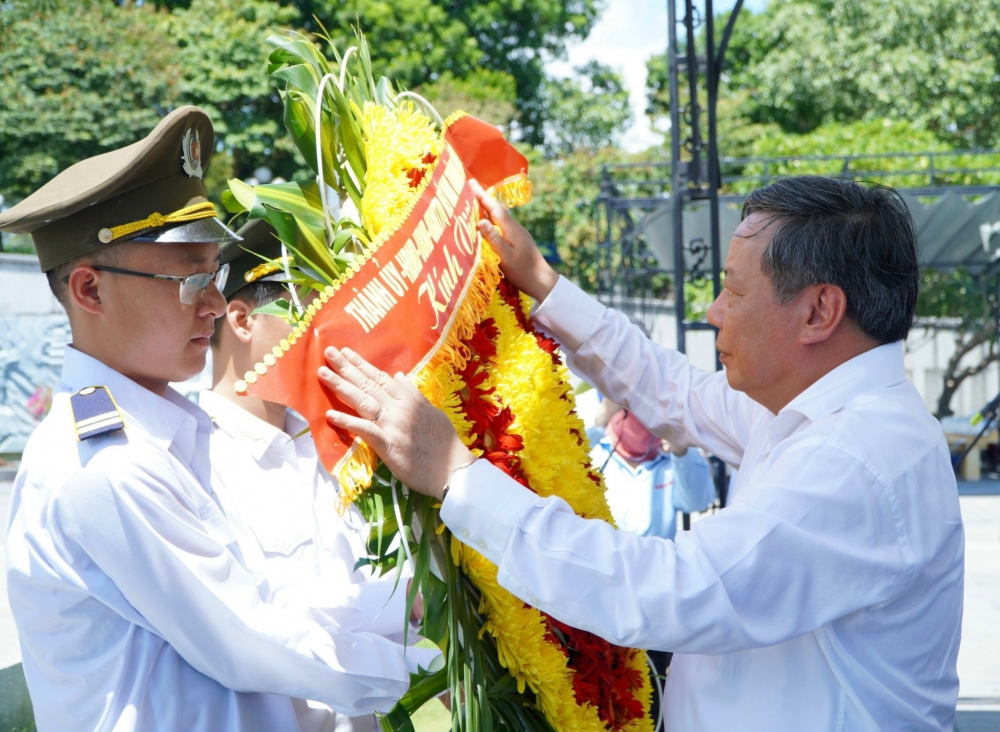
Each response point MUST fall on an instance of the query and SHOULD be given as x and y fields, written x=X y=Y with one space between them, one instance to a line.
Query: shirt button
x=464 y=533
x=481 y=544
x=534 y=601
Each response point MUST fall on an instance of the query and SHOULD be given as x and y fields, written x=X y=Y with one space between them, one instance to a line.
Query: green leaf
x=302 y=77
x=301 y=200
x=296 y=48
x=384 y=93
x=279 y=308
x=350 y=137
x=423 y=688
x=300 y=118
x=244 y=195
x=230 y=203
x=397 y=720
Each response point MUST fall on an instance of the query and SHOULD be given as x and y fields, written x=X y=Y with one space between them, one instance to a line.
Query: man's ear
x=84 y=289
x=827 y=308
x=238 y=319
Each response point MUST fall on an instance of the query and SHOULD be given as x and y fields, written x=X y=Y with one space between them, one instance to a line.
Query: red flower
x=415 y=175
x=549 y=346
x=483 y=341
x=601 y=673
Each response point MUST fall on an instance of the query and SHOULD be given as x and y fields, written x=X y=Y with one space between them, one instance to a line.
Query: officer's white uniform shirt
x=826 y=596
x=282 y=504
x=133 y=606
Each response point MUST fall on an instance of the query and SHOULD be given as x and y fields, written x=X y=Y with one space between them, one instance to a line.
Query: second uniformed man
x=134 y=605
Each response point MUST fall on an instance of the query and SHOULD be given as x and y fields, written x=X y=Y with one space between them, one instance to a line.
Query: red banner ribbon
x=398 y=307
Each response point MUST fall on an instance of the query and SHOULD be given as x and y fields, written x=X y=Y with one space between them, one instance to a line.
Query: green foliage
x=737 y=133
x=69 y=92
x=489 y=95
x=221 y=52
x=472 y=668
x=867 y=137
x=588 y=111
x=416 y=42
x=561 y=214
x=811 y=62
x=957 y=294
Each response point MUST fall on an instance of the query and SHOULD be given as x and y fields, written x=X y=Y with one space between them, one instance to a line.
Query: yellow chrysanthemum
x=397 y=141
x=527 y=380
x=401 y=147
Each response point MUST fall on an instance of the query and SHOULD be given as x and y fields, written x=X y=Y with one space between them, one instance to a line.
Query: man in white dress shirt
x=134 y=606
x=272 y=486
x=828 y=594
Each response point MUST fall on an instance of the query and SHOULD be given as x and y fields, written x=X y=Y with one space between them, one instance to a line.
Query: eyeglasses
x=193 y=286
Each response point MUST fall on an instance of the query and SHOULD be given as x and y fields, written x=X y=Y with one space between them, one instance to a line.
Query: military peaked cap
x=256 y=258
x=149 y=191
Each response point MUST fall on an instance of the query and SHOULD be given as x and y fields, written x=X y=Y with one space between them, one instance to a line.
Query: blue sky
x=627 y=34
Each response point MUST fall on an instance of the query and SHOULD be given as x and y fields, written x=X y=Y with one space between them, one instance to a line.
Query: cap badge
x=191 y=153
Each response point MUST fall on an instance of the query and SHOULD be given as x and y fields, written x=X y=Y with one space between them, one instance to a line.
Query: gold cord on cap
x=265 y=269
x=191 y=213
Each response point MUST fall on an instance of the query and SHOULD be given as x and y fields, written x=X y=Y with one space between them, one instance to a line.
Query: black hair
x=112 y=255
x=860 y=238
x=256 y=294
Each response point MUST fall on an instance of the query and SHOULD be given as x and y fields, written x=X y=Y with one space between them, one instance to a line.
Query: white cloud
x=626 y=36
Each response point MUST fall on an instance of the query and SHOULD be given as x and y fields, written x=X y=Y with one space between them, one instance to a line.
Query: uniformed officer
x=271 y=484
x=133 y=602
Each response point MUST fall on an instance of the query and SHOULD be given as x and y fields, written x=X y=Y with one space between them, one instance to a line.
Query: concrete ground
x=978 y=664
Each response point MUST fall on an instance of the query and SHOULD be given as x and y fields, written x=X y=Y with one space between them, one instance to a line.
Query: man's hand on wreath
x=412 y=436
x=520 y=259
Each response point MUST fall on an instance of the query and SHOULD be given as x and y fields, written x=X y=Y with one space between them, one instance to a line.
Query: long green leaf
x=397 y=720
x=301 y=200
x=246 y=197
x=302 y=77
x=350 y=137
x=279 y=308
x=296 y=47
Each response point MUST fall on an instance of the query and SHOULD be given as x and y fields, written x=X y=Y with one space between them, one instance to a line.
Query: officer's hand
x=413 y=437
x=520 y=259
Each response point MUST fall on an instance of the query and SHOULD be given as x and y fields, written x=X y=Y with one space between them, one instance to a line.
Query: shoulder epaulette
x=95 y=412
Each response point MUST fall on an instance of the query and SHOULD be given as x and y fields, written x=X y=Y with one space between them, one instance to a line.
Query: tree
x=489 y=95
x=562 y=215
x=417 y=41
x=808 y=78
x=806 y=63
x=221 y=51
x=736 y=133
x=68 y=92
x=966 y=304
x=588 y=111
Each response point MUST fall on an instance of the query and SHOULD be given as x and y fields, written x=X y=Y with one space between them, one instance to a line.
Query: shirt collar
x=167 y=420
x=880 y=367
x=257 y=435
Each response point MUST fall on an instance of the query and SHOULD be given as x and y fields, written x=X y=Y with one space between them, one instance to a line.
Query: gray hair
x=830 y=231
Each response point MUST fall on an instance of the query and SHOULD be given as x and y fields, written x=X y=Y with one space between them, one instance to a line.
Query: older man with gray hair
x=828 y=594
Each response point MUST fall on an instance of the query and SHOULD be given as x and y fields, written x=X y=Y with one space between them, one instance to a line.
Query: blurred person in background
x=648 y=480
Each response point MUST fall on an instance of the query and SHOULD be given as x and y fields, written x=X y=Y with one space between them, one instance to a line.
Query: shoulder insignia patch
x=95 y=413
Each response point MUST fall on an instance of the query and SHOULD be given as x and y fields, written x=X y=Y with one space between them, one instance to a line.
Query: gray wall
x=33 y=333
